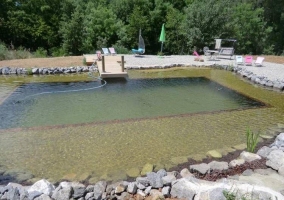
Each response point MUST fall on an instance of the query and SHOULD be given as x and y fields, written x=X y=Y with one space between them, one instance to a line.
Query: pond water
x=42 y=104
x=155 y=116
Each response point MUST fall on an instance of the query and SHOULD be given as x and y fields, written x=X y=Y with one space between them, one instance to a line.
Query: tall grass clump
x=252 y=140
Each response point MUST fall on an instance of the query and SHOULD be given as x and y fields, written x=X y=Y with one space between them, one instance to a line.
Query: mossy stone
x=240 y=146
x=133 y=172
x=147 y=168
x=214 y=154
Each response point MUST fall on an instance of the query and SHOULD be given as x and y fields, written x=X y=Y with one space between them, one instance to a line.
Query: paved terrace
x=272 y=71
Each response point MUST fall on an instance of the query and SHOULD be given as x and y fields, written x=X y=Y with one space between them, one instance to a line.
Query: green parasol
x=162 y=37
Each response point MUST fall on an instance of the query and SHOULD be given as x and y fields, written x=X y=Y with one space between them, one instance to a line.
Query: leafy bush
x=57 y=52
x=22 y=53
x=121 y=49
x=40 y=53
x=3 y=51
x=252 y=140
x=84 y=61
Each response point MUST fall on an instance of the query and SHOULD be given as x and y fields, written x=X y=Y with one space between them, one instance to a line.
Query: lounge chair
x=139 y=51
x=248 y=60
x=106 y=52
x=198 y=57
x=112 y=51
x=239 y=60
x=258 y=62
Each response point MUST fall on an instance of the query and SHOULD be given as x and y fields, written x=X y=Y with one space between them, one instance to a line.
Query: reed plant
x=252 y=140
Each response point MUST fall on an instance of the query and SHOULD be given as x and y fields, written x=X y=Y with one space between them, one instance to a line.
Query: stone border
x=253 y=78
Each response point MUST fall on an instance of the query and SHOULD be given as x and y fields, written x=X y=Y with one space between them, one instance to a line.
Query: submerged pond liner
x=41 y=104
x=111 y=146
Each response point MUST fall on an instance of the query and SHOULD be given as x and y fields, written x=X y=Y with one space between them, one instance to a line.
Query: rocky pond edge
x=262 y=80
x=187 y=183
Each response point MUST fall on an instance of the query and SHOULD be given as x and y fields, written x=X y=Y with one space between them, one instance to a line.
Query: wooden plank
x=113 y=67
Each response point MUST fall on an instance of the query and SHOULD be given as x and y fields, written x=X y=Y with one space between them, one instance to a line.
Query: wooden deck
x=109 y=66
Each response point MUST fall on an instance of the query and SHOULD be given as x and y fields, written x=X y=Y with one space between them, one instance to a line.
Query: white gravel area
x=272 y=71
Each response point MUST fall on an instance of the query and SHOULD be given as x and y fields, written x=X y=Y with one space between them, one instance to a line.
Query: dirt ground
x=78 y=61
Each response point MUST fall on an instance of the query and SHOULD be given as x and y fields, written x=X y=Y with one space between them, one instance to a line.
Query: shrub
x=3 y=51
x=252 y=140
x=121 y=49
x=40 y=53
x=84 y=61
x=22 y=53
x=57 y=52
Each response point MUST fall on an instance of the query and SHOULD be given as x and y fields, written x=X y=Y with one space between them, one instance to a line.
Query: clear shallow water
x=107 y=150
x=42 y=104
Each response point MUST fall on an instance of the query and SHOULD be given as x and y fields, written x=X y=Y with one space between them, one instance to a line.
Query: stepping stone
x=214 y=154
x=240 y=146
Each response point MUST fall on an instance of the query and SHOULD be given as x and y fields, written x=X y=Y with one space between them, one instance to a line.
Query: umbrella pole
x=162 y=47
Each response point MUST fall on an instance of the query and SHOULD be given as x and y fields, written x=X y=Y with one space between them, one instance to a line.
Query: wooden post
x=122 y=63
x=103 y=64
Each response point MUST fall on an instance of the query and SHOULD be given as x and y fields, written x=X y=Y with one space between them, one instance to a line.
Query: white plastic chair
x=259 y=61
x=239 y=60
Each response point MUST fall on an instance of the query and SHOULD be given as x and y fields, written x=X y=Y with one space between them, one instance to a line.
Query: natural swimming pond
x=42 y=104
x=107 y=146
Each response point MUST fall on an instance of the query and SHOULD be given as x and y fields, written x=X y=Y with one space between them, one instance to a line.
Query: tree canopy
x=74 y=27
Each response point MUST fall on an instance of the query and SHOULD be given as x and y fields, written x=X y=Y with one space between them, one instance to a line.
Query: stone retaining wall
x=253 y=78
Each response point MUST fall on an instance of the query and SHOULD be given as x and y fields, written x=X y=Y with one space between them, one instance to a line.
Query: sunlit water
x=152 y=117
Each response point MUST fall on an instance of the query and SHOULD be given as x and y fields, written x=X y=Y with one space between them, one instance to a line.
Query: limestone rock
x=132 y=188
x=62 y=193
x=155 y=180
x=147 y=168
x=249 y=157
x=43 y=197
x=167 y=180
x=202 y=168
x=183 y=189
x=264 y=151
x=275 y=159
x=120 y=188
x=185 y=173
x=166 y=191
x=236 y=162
x=42 y=186
x=281 y=170
x=212 y=194
x=79 y=190
x=143 y=180
x=214 y=165
x=279 y=141
x=99 y=189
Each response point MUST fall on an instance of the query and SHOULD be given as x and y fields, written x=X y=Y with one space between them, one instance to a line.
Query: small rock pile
x=162 y=184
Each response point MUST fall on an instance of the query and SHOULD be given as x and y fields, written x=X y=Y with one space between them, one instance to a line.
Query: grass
x=252 y=140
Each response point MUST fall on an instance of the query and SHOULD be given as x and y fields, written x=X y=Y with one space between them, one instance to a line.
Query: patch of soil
x=44 y=62
x=217 y=174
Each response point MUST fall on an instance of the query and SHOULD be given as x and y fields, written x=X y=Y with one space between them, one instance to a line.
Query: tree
x=250 y=29
x=206 y=20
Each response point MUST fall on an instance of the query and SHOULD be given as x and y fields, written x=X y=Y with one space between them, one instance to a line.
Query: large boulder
x=264 y=151
x=279 y=141
x=183 y=188
x=275 y=159
x=42 y=186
